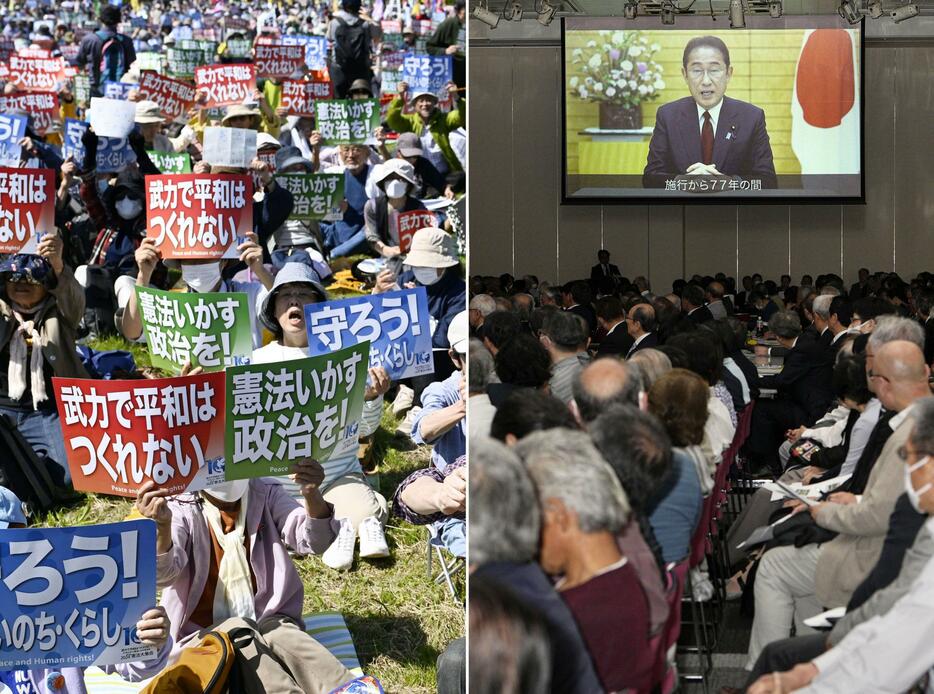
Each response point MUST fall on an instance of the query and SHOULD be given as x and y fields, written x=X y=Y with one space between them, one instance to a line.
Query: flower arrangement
x=621 y=70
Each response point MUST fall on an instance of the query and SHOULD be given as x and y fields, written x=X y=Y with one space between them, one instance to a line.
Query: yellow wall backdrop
x=763 y=74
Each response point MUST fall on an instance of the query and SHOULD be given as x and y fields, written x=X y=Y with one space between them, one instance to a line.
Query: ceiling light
x=904 y=12
x=631 y=10
x=546 y=13
x=775 y=9
x=875 y=10
x=668 y=13
x=484 y=15
x=513 y=11
x=737 y=15
x=849 y=12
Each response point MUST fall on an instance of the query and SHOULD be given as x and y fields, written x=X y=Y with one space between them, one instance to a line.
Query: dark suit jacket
x=649 y=341
x=701 y=315
x=805 y=379
x=596 y=272
x=617 y=342
x=929 y=341
x=741 y=144
x=587 y=314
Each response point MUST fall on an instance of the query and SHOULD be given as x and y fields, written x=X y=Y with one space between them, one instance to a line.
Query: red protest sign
x=407 y=223
x=198 y=215
x=42 y=106
x=278 y=62
x=299 y=97
x=27 y=206
x=121 y=434
x=36 y=74
x=226 y=84
x=173 y=97
x=34 y=53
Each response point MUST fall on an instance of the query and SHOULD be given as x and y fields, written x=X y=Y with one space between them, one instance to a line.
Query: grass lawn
x=399 y=618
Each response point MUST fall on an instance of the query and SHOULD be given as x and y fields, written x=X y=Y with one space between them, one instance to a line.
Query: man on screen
x=708 y=133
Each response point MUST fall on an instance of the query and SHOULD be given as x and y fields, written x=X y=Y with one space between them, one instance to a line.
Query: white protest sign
x=229 y=146
x=111 y=117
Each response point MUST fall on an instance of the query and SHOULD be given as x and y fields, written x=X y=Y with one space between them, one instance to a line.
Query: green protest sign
x=149 y=61
x=210 y=330
x=316 y=195
x=171 y=163
x=239 y=48
x=283 y=412
x=82 y=89
x=182 y=62
x=345 y=122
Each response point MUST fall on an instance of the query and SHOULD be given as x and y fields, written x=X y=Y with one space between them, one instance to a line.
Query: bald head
x=605 y=382
x=901 y=362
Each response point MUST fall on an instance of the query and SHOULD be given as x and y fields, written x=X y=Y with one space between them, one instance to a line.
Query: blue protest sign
x=72 y=596
x=12 y=130
x=395 y=323
x=118 y=90
x=113 y=154
x=427 y=73
x=316 y=49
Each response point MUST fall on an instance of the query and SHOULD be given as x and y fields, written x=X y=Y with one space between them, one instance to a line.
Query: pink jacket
x=275 y=524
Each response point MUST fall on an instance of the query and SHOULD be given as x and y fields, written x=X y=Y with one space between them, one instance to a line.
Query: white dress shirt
x=714 y=117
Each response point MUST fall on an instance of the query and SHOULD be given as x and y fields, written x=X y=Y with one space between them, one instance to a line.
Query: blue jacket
x=446 y=298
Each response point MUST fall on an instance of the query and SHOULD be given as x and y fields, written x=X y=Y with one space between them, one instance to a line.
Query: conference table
x=766 y=366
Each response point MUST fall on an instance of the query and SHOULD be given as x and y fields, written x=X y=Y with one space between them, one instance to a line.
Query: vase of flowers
x=618 y=71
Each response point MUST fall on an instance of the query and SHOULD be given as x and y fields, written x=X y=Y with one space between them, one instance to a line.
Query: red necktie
x=706 y=139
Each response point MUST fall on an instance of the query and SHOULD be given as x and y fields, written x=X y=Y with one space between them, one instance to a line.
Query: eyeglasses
x=714 y=73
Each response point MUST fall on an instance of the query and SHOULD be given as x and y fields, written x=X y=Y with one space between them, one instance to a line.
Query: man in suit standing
x=692 y=303
x=641 y=327
x=612 y=318
x=604 y=269
x=708 y=133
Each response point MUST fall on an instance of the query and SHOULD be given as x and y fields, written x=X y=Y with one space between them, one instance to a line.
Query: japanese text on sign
x=226 y=84
x=316 y=51
x=118 y=434
x=410 y=222
x=427 y=73
x=280 y=413
x=396 y=325
x=42 y=106
x=279 y=61
x=27 y=206
x=174 y=97
x=12 y=130
x=112 y=154
x=299 y=98
x=315 y=195
x=347 y=122
x=36 y=74
x=72 y=596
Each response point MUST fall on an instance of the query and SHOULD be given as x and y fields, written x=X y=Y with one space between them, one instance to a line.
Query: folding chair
x=448 y=568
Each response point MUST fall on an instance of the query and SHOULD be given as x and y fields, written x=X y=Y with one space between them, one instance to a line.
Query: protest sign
x=82 y=89
x=239 y=48
x=407 y=223
x=316 y=49
x=427 y=73
x=12 y=130
x=27 y=207
x=119 y=434
x=299 y=98
x=198 y=215
x=174 y=97
x=182 y=63
x=36 y=74
x=72 y=596
x=112 y=117
x=70 y=51
x=279 y=61
x=281 y=413
x=226 y=84
x=316 y=195
x=210 y=330
x=347 y=122
x=150 y=61
x=113 y=154
x=392 y=34
x=42 y=106
x=118 y=90
x=234 y=147
x=396 y=325
x=169 y=163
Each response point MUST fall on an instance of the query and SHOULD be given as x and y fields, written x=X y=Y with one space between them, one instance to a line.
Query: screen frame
x=699 y=21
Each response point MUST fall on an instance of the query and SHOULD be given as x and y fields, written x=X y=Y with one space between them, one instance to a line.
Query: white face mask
x=128 y=209
x=914 y=495
x=229 y=491
x=426 y=275
x=102 y=185
x=396 y=188
x=201 y=278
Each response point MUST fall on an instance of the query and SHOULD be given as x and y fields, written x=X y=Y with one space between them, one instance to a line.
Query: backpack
x=24 y=473
x=352 y=44
x=100 y=304
x=202 y=668
x=113 y=57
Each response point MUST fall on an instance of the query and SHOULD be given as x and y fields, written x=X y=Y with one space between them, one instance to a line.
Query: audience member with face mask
x=396 y=182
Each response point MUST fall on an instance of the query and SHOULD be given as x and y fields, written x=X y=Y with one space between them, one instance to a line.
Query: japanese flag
x=825 y=105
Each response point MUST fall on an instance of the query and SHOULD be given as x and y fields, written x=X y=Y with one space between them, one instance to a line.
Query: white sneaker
x=340 y=554
x=372 y=539
x=404 y=399
x=405 y=426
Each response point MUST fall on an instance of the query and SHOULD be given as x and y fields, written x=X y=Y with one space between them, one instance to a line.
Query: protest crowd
x=231 y=241
x=656 y=472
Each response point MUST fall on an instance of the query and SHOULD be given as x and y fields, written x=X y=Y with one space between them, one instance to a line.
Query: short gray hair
x=891 y=328
x=484 y=303
x=565 y=465
x=480 y=366
x=652 y=364
x=821 y=306
x=504 y=516
x=922 y=435
x=785 y=324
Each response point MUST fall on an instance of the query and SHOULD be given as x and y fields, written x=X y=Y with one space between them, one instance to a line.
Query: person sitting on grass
x=223 y=564
x=357 y=506
x=41 y=305
x=152 y=629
